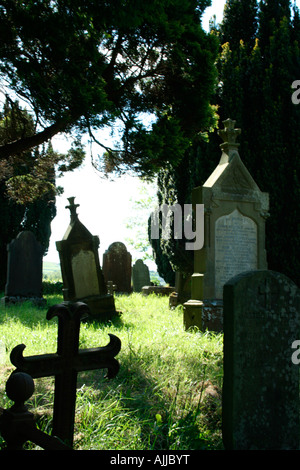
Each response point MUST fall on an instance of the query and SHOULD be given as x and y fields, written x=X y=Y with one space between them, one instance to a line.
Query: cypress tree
x=258 y=61
x=242 y=17
x=35 y=215
x=259 y=98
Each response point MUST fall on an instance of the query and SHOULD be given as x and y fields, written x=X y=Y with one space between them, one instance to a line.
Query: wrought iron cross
x=66 y=363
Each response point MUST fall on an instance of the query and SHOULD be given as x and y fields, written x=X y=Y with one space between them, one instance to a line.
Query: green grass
x=166 y=395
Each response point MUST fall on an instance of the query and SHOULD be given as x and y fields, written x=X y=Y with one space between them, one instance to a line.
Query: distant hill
x=51 y=271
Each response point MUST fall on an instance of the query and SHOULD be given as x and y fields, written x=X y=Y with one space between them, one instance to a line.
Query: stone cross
x=66 y=364
x=72 y=207
x=229 y=134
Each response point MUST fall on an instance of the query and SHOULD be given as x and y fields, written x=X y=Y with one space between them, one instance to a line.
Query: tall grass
x=166 y=395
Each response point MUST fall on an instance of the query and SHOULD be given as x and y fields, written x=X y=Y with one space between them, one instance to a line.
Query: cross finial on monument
x=229 y=135
x=72 y=208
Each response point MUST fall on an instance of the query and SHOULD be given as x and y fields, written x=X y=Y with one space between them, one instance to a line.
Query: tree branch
x=26 y=143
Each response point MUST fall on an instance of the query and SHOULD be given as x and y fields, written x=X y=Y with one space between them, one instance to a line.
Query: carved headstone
x=140 y=275
x=117 y=267
x=24 y=269
x=261 y=382
x=235 y=212
x=81 y=272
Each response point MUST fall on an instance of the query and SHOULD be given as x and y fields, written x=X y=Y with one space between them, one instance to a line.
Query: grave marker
x=81 y=272
x=117 y=267
x=261 y=383
x=140 y=275
x=24 y=270
x=235 y=213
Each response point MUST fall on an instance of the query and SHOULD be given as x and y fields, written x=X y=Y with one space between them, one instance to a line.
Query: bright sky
x=105 y=206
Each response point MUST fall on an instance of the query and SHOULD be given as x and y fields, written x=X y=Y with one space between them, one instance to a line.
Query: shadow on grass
x=167 y=418
x=31 y=315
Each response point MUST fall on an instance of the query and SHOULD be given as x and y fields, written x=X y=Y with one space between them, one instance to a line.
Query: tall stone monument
x=261 y=402
x=81 y=272
x=235 y=212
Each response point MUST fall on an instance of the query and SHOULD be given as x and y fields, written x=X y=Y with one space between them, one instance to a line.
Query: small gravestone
x=261 y=383
x=81 y=272
x=235 y=213
x=117 y=267
x=140 y=275
x=24 y=270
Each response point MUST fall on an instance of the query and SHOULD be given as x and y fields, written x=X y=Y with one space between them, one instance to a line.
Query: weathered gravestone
x=81 y=272
x=117 y=267
x=261 y=383
x=24 y=270
x=140 y=275
x=235 y=212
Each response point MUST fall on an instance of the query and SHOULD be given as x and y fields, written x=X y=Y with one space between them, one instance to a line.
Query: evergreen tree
x=85 y=66
x=258 y=61
x=27 y=185
x=256 y=92
x=242 y=17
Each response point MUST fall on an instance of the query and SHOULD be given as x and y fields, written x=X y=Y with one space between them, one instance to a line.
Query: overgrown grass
x=166 y=396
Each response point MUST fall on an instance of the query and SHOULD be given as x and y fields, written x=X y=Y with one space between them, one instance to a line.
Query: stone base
x=176 y=299
x=18 y=299
x=158 y=290
x=206 y=315
x=192 y=314
x=212 y=315
x=173 y=300
x=102 y=307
